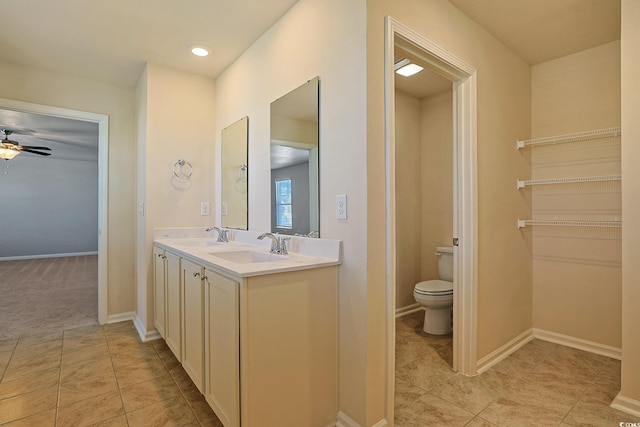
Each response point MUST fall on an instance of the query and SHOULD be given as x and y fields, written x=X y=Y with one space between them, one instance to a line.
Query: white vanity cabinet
x=262 y=348
x=159 y=289
x=173 y=306
x=193 y=322
x=222 y=352
x=288 y=349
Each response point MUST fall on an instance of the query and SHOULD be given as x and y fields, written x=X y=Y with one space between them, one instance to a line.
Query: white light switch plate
x=224 y=209
x=341 y=206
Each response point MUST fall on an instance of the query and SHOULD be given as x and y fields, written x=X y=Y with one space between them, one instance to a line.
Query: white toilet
x=436 y=296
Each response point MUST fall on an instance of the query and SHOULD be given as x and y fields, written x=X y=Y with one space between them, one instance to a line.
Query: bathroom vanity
x=256 y=332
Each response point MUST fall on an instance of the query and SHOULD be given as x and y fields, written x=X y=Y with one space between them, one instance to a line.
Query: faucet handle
x=283 y=245
x=222 y=235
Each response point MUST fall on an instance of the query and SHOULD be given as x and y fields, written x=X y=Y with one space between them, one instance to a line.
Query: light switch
x=341 y=206
x=224 y=209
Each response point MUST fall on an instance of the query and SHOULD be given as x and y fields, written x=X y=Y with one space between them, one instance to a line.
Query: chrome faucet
x=222 y=234
x=278 y=244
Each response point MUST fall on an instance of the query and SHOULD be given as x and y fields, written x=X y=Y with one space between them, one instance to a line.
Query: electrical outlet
x=224 y=209
x=204 y=208
x=341 y=206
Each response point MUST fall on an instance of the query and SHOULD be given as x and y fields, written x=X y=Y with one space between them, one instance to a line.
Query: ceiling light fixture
x=199 y=50
x=8 y=153
x=404 y=67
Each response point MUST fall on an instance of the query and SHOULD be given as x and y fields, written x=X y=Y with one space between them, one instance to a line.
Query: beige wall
x=424 y=188
x=64 y=91
x=408 y=198
x=503 y=99
x=178 y=124
x=437 y=178
x=326 y=39
x=630 y=58
x=577 y=272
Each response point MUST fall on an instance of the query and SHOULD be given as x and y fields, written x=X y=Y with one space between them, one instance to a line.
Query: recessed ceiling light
x=409 y=70
x=199 y=51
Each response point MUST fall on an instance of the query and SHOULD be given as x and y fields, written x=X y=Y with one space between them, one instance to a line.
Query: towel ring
x=182 y=169
x=242 y=173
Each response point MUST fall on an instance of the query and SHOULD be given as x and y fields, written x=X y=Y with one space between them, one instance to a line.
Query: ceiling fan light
x=8 y=153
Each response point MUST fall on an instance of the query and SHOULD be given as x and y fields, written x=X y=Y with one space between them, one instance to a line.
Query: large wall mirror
x=234 y=201
x=294 y=162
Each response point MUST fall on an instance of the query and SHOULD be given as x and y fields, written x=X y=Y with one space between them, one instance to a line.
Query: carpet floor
x=48 y=294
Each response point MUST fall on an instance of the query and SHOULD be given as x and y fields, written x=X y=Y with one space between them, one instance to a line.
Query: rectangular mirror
x=234 y=165
x=294 y=162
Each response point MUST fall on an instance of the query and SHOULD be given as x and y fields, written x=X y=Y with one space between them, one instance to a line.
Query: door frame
x=465 y=221
x=103 y=182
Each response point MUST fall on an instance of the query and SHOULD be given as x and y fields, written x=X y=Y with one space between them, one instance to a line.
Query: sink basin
x=195 y=242
x=248 y=256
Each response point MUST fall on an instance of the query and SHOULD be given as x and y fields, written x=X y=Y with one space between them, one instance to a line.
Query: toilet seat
x=434 y=288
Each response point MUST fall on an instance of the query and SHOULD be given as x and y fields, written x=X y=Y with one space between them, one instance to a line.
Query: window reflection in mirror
x=294 y=162
x=234 y=201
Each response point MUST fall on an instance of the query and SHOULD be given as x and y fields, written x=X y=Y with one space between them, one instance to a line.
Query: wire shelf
x=571 y=137
x=525 y=183
x=568 y=223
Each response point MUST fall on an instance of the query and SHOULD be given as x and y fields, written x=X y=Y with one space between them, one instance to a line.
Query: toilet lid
x=434 y=287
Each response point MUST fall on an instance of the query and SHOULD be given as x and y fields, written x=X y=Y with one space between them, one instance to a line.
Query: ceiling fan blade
x=33 y=147
x=27 y=150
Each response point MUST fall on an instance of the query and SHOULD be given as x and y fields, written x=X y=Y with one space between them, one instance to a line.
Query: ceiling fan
x=9 y=149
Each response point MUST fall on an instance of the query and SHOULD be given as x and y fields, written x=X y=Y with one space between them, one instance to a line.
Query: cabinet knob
x=196 y=274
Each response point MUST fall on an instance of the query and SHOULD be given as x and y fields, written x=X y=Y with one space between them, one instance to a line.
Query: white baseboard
x=501 y=353
x=403 y=311
x=345 y=421
x=121 y=317
x=143 y=333
x=580 y=344
x=23 y=257
x=626 y=404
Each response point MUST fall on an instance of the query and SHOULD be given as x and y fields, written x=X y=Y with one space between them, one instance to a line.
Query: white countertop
x=234 y=257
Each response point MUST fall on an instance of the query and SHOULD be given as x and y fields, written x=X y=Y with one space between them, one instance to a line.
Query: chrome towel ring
x=182 y=169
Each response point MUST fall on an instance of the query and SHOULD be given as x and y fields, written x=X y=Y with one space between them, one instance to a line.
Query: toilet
x=436 y=296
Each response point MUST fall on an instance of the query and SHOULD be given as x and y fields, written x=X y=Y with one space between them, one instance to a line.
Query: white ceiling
x=67 y=138
x=542 y=30
x=111 y=40
x=536 y=30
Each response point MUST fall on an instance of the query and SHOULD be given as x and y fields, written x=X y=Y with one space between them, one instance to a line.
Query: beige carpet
x=49 y=294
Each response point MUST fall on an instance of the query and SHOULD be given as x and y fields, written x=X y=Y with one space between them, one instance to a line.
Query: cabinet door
x=159 y=290
x=173 y=322
x=193 y=323
x=222 y=345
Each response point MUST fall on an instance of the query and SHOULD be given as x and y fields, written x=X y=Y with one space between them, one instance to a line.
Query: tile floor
x=96 y=376
x=541 y=384
x=104 y=376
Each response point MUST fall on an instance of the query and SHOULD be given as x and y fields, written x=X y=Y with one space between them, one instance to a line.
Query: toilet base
x=438 y=321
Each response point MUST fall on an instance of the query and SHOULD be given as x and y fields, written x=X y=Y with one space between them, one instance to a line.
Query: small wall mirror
x=294 y=162
x=235 y=171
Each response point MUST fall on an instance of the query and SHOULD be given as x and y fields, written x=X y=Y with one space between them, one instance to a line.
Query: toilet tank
x=445 y=262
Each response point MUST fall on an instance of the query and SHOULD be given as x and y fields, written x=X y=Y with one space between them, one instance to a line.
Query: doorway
x=464 y=226
x=102 y=122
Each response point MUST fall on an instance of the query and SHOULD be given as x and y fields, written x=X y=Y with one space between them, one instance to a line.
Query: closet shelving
x=592 y=135
x=569 y=223
x=578 y=179
x=571 y=137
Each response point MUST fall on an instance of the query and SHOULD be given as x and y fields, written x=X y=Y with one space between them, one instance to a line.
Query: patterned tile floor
x=104 y=376
x=541 y=384
x=96 y=376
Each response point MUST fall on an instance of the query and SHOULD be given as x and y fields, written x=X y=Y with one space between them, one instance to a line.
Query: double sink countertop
x=244 y=255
